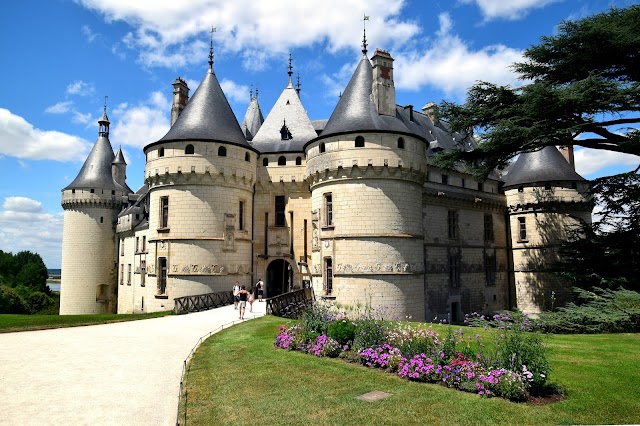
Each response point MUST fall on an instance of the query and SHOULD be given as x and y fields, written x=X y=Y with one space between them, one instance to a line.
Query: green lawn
x=237 y=377
x=9 y=323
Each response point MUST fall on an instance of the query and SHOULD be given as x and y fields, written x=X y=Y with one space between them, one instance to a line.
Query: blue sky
x=62 y=57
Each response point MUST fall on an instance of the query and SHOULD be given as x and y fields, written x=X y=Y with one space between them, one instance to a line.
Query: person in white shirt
x=236 y=291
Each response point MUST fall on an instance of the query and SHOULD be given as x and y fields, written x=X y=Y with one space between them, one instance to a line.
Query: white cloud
x=172 y=35
x=89 y=35
x=22 y=204
x=59 y=108
x=80 y=88
x=589 y=161
x=20 y=139
x=80 y=118
x=141 y=124
x=507 y=9
x=451 y=65
x=25 y=226
x=234 y=91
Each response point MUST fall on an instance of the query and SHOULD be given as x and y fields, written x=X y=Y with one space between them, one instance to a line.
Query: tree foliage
x=23 y=283
x=582 y=88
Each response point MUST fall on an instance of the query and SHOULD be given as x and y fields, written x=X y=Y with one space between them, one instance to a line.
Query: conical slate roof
x=356 y=111
x=119 y=158
x=544 y=165
x=287 y=111
x=96 y=171
x=253 y=119
x=207 y=117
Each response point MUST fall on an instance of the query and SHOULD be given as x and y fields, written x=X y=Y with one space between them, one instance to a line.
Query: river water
x=53 y=286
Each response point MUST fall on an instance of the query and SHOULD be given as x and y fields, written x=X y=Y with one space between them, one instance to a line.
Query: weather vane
x=364 y=38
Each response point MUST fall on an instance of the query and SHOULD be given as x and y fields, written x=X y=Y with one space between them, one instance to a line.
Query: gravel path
x=122 y=373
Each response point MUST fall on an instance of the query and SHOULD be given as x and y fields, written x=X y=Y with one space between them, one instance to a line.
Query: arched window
x=298 y=161
x=521 y=189
x=247 y=157
x=161 y=152
x=189 y=149
x=400 y=143
x=359 y=142
x=322 y=148
x=265 y=161
x=282 y=161
x=222 y=151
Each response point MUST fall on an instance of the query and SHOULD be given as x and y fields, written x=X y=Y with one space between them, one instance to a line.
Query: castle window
x=144 y=243
x=522 y=229
x=328 y=276
x=547 y=187
x=101 y=219
x=164 y=212
x=162 y=275
x=113 y=192
x=241 y=215
x=488 y=227
x=445 y=179
x=490 y=268
x=400 y=143
x=222 y=151
x=93 y=190
x=73 y=191
x=285 y=134
x=454 y=269
x=143 y=272
x=464 y=183
x=328 y=208
x=359 y=142
x=298 y=161
x=452 y=224
x=121 y=273
x=480 y=186
x=161 y=152
x=280 y=205
x=189 y=149
x=574 y=185
x=282 y=160
x=247 y=157
x=265 y=161
x=137 y=244
x=121 y=247
x=521 y=189
x=129 y=274
x=322 y=148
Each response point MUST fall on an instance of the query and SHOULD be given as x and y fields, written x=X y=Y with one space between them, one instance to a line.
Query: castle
x=351 y=206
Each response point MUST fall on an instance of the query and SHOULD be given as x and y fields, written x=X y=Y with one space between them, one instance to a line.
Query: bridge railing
x=202 y=302
x=288 y=304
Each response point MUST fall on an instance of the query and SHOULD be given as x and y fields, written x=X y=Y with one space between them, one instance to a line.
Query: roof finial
x=364 y=38
x=298 y=85
x=251 y=93
x=105 y=103
x=213 y=30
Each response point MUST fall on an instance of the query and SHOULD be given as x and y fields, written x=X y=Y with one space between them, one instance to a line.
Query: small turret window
x=189 y=149
x=247 y=157
x=547 y=187
x=359 y=142
x=161 y=152
x=282 y=161
x=222 y=151
x=521 y=189
x=298 y=161
x=322 y=148
x=400 y=143
x=265 y=161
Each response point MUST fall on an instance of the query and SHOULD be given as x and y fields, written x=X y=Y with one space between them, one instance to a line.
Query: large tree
x=581 y=87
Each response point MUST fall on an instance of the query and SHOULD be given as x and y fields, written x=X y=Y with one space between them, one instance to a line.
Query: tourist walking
x=236 y=290
x=243 y=296
x=260 y=288
x=252 y=297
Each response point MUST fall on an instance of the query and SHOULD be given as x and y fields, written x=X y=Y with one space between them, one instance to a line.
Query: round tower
x=545 y=197
x=366 y=172
x=200 y=176
x=91 y=204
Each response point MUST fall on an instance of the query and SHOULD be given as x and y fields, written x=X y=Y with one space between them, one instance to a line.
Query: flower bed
x=512 y=366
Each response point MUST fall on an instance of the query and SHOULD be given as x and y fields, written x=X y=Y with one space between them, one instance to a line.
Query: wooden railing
x=288 y=304
x=202 y=302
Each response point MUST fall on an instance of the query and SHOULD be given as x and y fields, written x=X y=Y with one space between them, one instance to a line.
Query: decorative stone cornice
x=367 y=170
x=552 y=206
x=227 y=177
x=484 y=202
x=91 y=201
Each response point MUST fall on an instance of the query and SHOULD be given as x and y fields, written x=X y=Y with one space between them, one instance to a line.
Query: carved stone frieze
x=213 y=269
x=378 y=267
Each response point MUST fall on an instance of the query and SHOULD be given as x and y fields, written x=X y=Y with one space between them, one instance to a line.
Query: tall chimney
x=430 y=110
x=384 y=92
x=180 y=98
x=567 y=153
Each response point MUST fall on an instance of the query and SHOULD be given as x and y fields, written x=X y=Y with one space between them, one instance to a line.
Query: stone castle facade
x=352 y=206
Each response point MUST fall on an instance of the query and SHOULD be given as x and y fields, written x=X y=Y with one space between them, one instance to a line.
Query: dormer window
x=282 y=161
x=285 y=134
x=400 y=143
x=359 y=142
x=265 y=161
x=189 y=149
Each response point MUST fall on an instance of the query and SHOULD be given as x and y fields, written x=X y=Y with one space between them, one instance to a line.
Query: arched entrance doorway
x=279 y=277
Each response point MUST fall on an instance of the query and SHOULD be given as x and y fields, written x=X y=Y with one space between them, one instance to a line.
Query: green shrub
x=342 y=330
x=11 y=302
x=369 y=333
x=38 y=302
x=600 y=311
